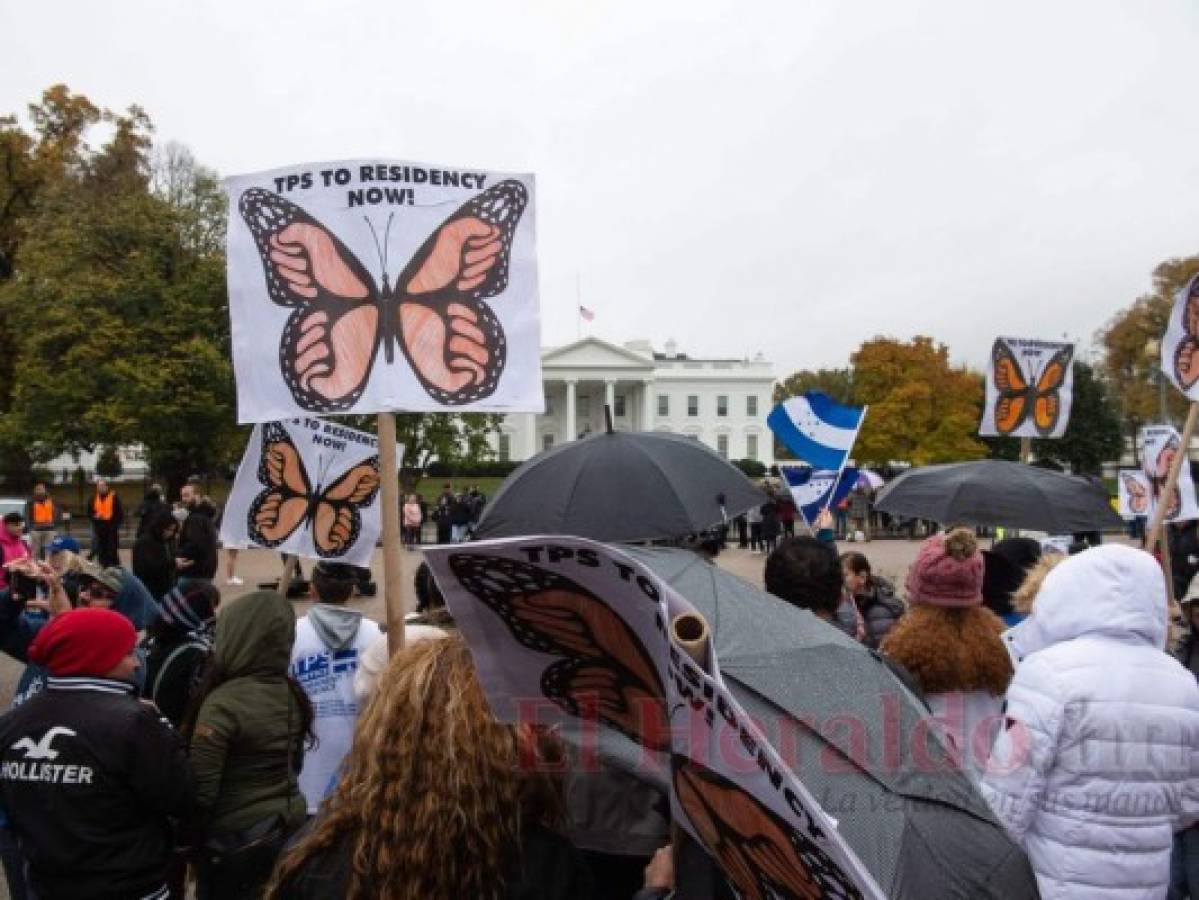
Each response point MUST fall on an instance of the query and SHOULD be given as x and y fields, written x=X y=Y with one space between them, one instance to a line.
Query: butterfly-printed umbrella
x=919 y=825
x=620 y=486
x=1001 y=493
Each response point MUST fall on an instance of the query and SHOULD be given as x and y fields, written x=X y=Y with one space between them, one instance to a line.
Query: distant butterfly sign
x=1141 y=490
x=564 y=631
x=307 y=487
x=368 y=285
x=1180 y=347
x=1030 y=386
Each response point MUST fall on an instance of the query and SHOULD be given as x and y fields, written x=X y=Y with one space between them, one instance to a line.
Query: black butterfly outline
x=266 y=214
x=1020 y=396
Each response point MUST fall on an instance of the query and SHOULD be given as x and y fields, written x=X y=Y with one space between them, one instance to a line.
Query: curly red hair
x=951 y=649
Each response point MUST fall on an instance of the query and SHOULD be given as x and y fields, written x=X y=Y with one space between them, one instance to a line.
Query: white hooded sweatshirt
x=1098 y=761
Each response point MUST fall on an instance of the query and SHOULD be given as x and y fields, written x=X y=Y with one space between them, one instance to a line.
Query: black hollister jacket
x=89 y=778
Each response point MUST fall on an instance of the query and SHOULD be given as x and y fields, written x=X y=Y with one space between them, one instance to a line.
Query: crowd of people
x=159 y=736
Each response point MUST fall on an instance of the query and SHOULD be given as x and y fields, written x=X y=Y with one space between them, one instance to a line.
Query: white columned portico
x=609 y=399
x=572 y=429
x=647 y=405
x=530 y=435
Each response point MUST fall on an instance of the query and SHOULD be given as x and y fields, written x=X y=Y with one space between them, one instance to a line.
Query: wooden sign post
x=393 y=601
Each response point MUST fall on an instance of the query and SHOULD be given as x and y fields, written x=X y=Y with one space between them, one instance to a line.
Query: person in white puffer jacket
x=1097 y=764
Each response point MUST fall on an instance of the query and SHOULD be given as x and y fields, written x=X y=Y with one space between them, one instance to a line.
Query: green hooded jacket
x=249 y=724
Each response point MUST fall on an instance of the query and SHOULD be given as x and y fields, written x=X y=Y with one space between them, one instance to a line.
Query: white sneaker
x=234 y=580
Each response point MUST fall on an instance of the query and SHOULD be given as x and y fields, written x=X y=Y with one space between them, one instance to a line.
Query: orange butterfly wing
x=602 y=664
x=762 y=855
x=453 y=341
x=1011 y=407
x=1048 y=404
x=282 y=507
x=329 y=344
x=337 y=520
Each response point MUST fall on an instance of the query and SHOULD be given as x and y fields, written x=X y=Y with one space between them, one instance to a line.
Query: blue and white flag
x=817 y=489
x=816 y=428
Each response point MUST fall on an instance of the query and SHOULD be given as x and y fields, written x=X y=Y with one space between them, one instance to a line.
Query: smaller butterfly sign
x=1030 y=386
x=373 y=285
x=1141 y=490
x=1180 y=346
x=310 y=488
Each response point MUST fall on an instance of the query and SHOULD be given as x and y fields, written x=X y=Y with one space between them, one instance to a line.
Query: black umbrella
x=619 y=486
x=996 y=492
x=921 y=827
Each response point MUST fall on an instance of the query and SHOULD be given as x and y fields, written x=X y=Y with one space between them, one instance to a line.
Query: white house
x=723 y=402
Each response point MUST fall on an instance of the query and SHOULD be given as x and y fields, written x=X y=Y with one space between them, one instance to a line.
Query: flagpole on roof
x=578 y=306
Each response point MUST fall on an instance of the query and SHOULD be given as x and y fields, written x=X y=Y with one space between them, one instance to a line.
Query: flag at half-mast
x=586 y=314
x=816 y=428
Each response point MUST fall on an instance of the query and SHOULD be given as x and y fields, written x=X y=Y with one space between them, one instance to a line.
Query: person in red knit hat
x=90 y=776
x=951 y=643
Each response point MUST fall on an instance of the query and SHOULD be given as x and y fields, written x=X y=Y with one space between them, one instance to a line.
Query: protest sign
x=564 y=630
x=368 y=286
x=1030 y=387
x=307 y=487
x=1160 y=444
x=1180 y=345
x=1135 y=493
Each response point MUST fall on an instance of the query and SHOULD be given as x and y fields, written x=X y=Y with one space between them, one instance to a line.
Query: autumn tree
x=837 y=383
x=1131 y=362
x=922 y=409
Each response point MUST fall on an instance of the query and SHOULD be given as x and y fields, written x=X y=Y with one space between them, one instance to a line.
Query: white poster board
x=310 y=488
x=1030 y=388
x=1180 y=346
x=564 y=630
x=1159 y=445
x=373 y=285
x=1135 y=492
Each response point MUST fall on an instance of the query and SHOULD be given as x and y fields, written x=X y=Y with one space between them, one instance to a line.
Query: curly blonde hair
x=1025 y=595
x=430 y=802
x=951 y=649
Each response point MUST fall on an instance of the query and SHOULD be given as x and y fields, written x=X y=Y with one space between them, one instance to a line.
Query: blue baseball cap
x=62 y=542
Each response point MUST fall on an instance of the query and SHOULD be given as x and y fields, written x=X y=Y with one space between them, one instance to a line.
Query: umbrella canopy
x=870 y=480
x=918 y=824
x=997 y=492
x=619 y=486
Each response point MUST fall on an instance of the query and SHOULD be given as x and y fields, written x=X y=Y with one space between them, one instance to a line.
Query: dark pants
x=108 y=542
x=237 y=876
x=755 y=535
x=1184 y=865
x=14 y=865
x=742 y=532
x=789 y=527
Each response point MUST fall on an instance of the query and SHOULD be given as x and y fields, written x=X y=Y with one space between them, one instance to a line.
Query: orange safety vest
x=102 y=506
x=43 y=512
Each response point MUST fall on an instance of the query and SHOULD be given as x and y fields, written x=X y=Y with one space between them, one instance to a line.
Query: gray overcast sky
x=790 y=177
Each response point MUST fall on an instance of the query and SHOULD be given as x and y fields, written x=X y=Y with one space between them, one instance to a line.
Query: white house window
x=751 y=446
x=547 y=441
x=751 y=407
x=664 y=404
x=505 y=447
x=722 y=445
x=722 y=405
x=619 y=411
x=693 y=405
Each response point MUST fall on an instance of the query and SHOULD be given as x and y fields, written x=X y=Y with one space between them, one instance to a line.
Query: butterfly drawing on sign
x=763 y=856
x=453 y=341
x=289 y=500
x=602 y=670
x=1021 y=396
x=1138 y=494
x=1186 y=355
x=1158 y=470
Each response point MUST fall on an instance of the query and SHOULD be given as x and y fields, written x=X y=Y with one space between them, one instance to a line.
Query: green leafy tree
x=108 y=462
x=837 y=383
x=458 y=437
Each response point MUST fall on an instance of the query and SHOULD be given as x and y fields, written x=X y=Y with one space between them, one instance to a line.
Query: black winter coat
x=198 y=542
x=154 y=564
x=550 y=869
x=880 y=608
x=90 y=778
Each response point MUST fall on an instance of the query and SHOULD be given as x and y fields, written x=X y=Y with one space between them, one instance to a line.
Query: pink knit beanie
x=948 y=571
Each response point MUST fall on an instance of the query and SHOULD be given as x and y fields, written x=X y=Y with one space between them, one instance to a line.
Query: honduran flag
x=816 y=428
x=817 y=489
